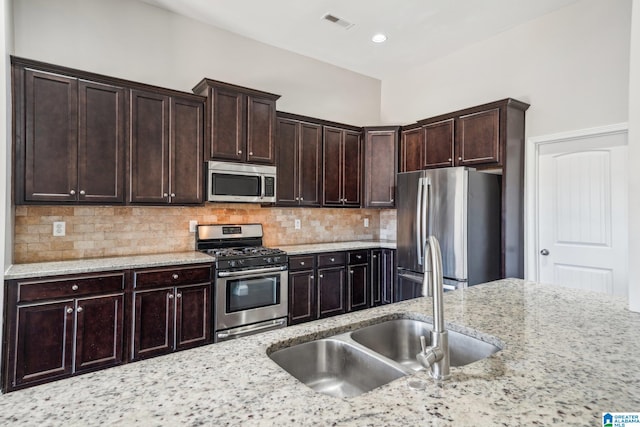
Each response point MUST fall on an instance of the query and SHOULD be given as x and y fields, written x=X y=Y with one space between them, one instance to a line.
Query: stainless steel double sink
x=356 y=362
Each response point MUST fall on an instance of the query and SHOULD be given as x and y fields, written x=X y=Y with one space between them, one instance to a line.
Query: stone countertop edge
x=562 y=364
x=310 y=248
x=92 y=265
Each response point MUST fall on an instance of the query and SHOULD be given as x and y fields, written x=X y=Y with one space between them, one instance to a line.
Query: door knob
x=544 y=252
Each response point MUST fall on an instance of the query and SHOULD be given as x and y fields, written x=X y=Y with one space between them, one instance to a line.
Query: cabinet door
x=227 y=125
x=302 y=297
x=331 y=291
x=376 y=277
x=309 y=164
x=479 y=138
x=358 y=287
x=101 y=143
x=287 y=162
x=185 y=183
x=332 y=167
x=412 y=150
x=44 y=343
x=381 y=156
x=261 y=124
x=352 y=168
x=387 y=275
x=438 y=144
x=51 y=137
x=192 y=315
x=153 y=323
x=148 y=165
x=99 y=332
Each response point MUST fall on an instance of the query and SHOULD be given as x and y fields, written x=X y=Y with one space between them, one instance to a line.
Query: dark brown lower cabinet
x=170 y=318
x=302 y=297
x=383 y=272
x=58 y=327
x=358 y=284
x=331 y=291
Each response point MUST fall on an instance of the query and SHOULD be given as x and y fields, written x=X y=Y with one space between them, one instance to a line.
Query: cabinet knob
x=374 y=256
x=170 y=295
x=239 y=151
x=392 y=200
x=321 y=275
x=80 y=309
x=301 y=262
x=311 y=277
x=178 y=295
x=359 y=256
x=450 y=159
x=350 y=271
x=82 y=192
x=173 y=194
x=165 y=194
x=74 y=287
x=251 y=153
x=175 y=276
x=297 y=198
x=72 y=192
x=332 y=259
x=302 y=199
x=459 y=158
x=69 y=310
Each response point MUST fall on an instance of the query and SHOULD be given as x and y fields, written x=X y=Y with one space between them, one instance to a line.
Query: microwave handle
x=263 y=187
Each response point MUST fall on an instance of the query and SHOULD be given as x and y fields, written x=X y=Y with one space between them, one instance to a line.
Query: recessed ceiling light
x=379 y=38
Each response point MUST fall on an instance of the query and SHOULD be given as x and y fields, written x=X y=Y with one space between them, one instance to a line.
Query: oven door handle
x=251 y=272
x=273 y=324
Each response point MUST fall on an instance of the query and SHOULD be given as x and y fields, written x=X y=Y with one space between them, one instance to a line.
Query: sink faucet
x=435 y=357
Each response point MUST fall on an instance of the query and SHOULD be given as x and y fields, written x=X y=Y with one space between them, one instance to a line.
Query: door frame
x=531 y=190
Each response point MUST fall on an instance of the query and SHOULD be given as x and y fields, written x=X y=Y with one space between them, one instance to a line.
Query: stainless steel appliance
x=462 y=209
x=251 y=282
x=240 y=182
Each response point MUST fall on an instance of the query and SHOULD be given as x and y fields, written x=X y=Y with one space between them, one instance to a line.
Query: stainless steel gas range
x=251 y=282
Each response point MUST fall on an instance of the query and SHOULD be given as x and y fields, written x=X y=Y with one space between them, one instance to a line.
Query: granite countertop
x=568 y=356
x=337 y=246
x=90 y=265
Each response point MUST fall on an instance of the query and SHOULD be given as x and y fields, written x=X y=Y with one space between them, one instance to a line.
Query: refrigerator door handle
x=419 y=220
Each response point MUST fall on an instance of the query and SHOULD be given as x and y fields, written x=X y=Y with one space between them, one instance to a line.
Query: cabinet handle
x=450 y=159
x=82 y=192
x=69 y=310
x=459 y=158
x=302 y=199
x=251 y=153
x=170 y=296
x=321 y=275
x=72 y=192
x=165 y=194
x=350 y=271
x=173 y=194
x=297 y=198
x=311 y=277
x=175 y=276
x=178 y=295
x=74 y=287
x=79 y=310
x=239 y=151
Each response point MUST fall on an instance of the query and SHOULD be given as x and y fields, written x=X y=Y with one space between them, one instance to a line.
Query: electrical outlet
x=297 y=224
x=192 y=226
x=59 y=228
x=366 y=222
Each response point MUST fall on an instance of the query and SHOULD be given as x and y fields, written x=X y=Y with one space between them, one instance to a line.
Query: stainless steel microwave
x=241 y=182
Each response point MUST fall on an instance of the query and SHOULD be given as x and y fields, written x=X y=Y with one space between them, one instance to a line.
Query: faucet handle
x=423 y=343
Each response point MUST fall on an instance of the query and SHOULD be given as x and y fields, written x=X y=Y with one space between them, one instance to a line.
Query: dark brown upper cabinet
x=241 y=123
x=380 y=160
x=438 y=144
x=299 y=162
x=69 y=137
x=165 y=163
x=342 y=170
x=411 y=148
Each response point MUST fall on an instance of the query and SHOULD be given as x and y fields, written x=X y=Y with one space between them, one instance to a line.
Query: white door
x=582 y=213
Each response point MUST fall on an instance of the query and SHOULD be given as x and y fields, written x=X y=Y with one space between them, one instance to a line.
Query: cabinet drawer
x=358 y=257
x=69 y=287
x=328 y=260
x=171 y=276
x=301 y=262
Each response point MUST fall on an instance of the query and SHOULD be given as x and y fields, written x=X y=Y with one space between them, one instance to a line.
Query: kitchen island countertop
x=568 y=356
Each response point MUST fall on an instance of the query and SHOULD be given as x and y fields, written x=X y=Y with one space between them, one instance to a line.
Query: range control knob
x=232 y=263
x=269 y=260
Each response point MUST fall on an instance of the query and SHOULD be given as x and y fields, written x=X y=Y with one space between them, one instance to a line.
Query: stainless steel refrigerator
x=461 y=207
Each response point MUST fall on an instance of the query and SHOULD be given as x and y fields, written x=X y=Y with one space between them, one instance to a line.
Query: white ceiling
x=418 y=30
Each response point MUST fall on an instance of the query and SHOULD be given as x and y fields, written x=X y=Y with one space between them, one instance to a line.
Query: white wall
x=572 y=66
x=6 y=216
x=634 y=161
x=136 y=41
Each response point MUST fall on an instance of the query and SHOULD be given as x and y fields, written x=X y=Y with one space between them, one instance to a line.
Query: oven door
x=251 y=297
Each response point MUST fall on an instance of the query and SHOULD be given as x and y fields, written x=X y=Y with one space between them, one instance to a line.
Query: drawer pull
x=69 y=310
x=359 y=256
x=332 y=259
x=74 y=287
x=301 y=262
x=175 y=276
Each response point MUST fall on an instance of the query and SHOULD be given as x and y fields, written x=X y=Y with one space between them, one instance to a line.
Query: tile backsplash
x=119 y=231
